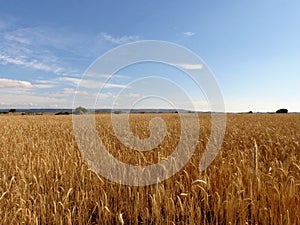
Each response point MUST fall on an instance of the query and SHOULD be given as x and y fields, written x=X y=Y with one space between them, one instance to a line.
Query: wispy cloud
x=33 y=63
x=47 y=52
x=190 y=66
x=21 y=84
x=71 y=80
x=72 y=91
x=22 y=40
x=47 y=82
x=44 y=86
x=189 y=34
x=36 y=48
x=28 y=101
x=105 y=95
x=8 y=83
x=110 y=85
x=119 y=40
x=92 y=84
x=52 y=50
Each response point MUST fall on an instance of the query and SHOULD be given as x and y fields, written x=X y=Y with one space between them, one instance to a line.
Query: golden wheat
x=255 y=179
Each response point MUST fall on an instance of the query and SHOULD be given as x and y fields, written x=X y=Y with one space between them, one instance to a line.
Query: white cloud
x=105 y=95
x=92 y=84
x=37 y=48
x=119 y=40
x=33 y=64
x=40 y=47
x=71 y=91
x=20 y=84
x=42 y=86
x=8 y=83
x=74 y=81
x=46 y=81
x=110 y=85
x=22 y=40
x=190 y=66
x=189 y=33
x=27 y=101
x=134 y=95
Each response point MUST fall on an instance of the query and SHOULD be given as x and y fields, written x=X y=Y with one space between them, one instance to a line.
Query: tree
x=282 y=111
x=80 y=110
x=12 y=110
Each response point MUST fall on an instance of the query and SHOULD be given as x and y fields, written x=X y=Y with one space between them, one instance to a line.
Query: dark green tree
x=80 y=110
x=282 y=111
x=12 y=110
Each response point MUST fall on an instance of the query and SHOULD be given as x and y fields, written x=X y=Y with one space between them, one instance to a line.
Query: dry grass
x=255 y=179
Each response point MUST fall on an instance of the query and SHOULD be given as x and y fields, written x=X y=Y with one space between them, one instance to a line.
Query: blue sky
x=252 y=47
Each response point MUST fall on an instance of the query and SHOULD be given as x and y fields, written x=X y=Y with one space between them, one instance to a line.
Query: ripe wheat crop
x=255 y=178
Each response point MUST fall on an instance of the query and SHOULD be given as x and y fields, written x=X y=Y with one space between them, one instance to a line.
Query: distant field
x=44 y=180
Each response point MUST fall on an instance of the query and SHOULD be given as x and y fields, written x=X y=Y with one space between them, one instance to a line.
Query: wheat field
x=255 y=178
